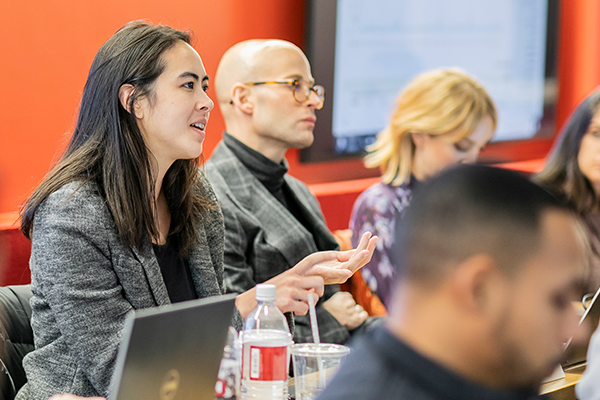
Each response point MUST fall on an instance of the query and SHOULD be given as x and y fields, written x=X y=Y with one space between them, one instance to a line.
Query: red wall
x=579 y=64
x=47 y=47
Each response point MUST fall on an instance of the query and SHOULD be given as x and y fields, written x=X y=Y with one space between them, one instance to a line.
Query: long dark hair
x=561 y=173
x=107 y=147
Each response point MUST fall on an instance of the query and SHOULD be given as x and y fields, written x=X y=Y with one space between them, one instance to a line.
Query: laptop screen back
x=577 y=353
x=173 y=352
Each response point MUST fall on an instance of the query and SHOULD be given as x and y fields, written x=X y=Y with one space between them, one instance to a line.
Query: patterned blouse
x=375 y=211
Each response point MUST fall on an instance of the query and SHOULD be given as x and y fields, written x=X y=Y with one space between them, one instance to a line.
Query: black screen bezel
x=320 y=36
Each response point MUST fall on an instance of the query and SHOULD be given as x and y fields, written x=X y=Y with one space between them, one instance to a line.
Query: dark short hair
x=468 y=210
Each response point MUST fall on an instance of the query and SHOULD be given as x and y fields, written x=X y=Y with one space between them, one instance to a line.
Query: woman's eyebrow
x=191 y=75
x=594 y=125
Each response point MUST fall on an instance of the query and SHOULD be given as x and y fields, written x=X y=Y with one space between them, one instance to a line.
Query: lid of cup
x=321 y=349
x=266 y=292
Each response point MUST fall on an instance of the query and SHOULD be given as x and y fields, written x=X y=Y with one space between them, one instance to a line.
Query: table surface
x=563 y=389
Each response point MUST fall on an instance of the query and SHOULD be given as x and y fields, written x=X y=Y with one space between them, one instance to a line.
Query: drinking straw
x=313 y=319
x=316 y=338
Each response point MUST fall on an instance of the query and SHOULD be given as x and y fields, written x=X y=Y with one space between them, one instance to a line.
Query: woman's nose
x=205 y=103
x=471 y=157
x=474 y=155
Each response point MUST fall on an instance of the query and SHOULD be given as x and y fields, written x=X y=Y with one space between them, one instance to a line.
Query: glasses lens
x=320 y=91
x=301 y=91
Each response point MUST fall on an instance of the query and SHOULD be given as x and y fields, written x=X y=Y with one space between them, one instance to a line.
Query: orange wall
x=46 y=48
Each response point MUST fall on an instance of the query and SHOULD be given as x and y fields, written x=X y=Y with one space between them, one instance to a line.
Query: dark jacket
x=382 y=367
x=263 y=239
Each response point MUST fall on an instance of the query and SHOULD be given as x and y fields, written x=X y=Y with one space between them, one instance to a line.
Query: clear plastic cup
x=314 y=366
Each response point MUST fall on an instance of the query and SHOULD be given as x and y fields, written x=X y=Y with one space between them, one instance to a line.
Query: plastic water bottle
x=265 y=342
x=228 y=382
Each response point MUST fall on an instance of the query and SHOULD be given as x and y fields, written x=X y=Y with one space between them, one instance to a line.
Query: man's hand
x=343 y=308
x=292 y=287
x=310 y=275
x=343 y=264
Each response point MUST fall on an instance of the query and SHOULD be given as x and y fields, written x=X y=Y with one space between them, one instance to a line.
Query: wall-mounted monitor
x=365 y=52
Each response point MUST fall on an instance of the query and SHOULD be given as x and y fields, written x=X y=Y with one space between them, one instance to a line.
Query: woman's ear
x=241 y=98
x=125 y=93
x=418 y=138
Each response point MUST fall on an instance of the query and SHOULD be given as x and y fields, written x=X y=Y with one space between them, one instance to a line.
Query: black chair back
x=16 y=338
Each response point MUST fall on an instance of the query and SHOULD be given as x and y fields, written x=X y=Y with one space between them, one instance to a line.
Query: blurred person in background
x=572 y=172
x=442 y=118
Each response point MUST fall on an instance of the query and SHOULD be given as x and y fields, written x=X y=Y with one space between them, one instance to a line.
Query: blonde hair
x=434 y=103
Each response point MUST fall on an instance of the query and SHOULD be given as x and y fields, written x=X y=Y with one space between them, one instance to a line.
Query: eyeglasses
x=301 y=90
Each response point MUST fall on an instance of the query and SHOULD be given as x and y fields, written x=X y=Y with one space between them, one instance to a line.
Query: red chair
x=15 y=251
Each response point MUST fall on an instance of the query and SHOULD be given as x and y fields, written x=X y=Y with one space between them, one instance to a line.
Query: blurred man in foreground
x=488 y=266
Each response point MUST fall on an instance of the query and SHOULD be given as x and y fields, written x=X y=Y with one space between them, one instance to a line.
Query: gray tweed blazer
x=263 y=239
x=85 y=282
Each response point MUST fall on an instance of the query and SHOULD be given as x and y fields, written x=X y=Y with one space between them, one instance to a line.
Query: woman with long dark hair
x=125 y=220
x=572 y=171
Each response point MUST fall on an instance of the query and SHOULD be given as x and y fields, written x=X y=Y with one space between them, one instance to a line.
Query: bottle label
x=228 y=379
x=268 y=363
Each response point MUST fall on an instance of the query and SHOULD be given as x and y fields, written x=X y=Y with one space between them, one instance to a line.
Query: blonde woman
x=442 y=118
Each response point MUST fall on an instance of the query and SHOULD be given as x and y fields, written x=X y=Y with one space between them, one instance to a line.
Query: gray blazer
x=263 y=239
x=85 y=282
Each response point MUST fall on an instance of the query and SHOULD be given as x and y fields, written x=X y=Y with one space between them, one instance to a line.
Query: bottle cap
x=266 y=292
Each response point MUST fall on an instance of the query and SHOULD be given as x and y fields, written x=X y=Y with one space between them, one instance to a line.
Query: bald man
x=488 y=265
x=268 y=99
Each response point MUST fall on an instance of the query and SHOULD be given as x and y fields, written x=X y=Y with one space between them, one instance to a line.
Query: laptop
x=173 y=352
x=575 y=354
